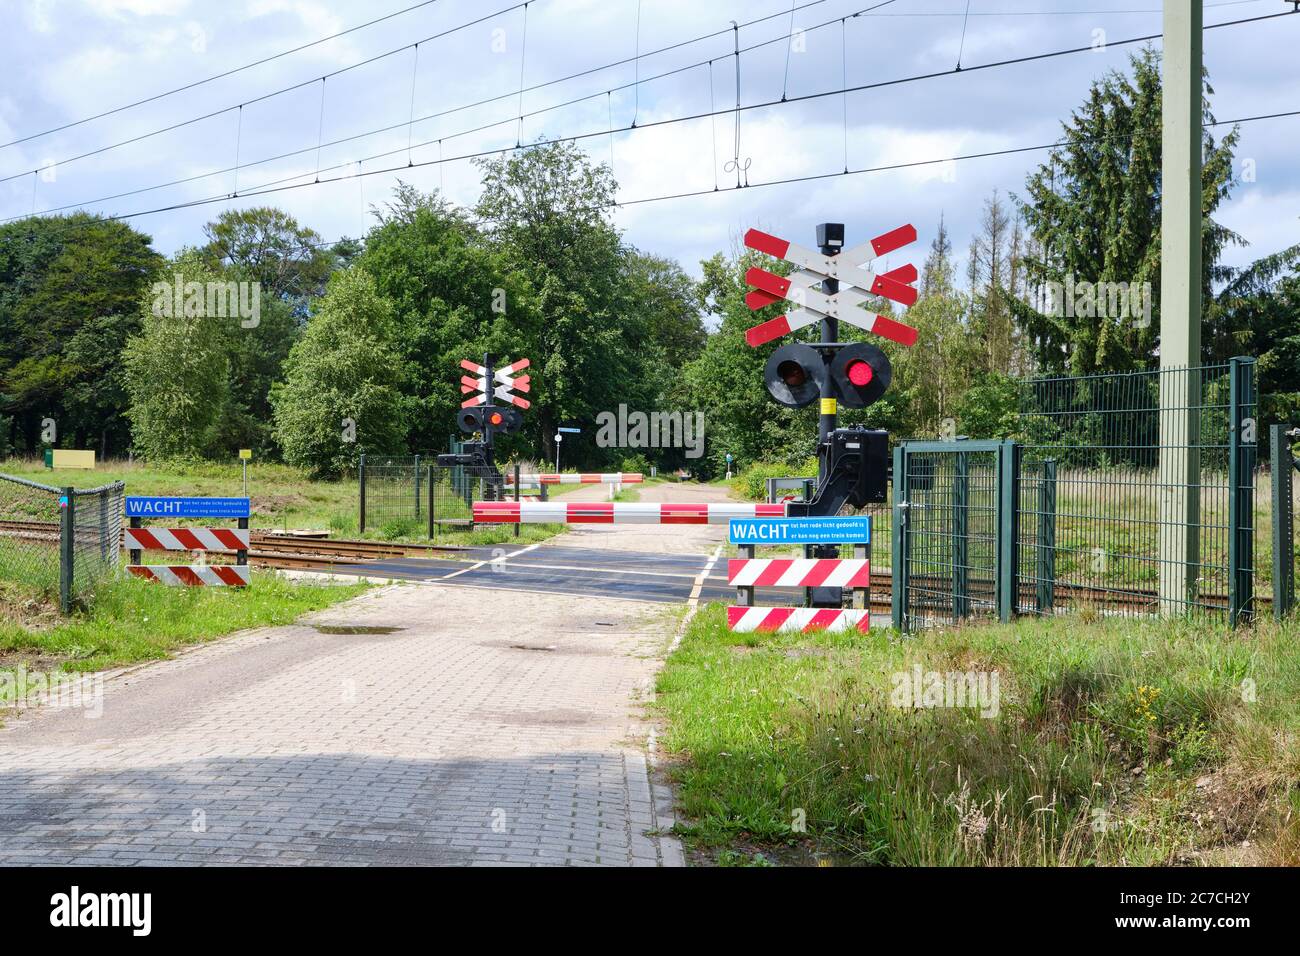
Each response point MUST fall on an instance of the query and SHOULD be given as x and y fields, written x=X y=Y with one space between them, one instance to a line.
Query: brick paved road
x=462 y=739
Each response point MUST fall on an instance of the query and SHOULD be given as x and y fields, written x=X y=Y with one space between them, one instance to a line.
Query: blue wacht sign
x=150 y=507
x=850 y=530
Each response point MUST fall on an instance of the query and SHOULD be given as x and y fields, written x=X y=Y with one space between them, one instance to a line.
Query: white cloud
x=118 y=9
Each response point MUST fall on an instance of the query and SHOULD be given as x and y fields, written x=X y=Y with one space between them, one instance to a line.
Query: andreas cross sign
x=503 y=382
x=813 y=304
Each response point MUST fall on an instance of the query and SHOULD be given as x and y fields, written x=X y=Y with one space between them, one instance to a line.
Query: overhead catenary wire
x=217 y=76
x=713 y=112
x=479 y=128
x=616 y=203
x=266 y=96
x=891 y=167
x=380 y=56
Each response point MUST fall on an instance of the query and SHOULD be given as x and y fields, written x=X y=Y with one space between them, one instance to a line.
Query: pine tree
x=1093 y=211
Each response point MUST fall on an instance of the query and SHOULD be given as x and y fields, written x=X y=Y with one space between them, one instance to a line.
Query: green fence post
x=1283 y=521
x=1008 y=480
x=103 y=529
x=361 y=481
x=1045 y=567
x=899 y=557
x=417 y=487
x=1241 y=475
x=67 y=541
x=429 y=483
x=961 y=537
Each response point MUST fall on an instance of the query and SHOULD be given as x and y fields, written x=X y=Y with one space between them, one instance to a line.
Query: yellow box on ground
x=73 y=458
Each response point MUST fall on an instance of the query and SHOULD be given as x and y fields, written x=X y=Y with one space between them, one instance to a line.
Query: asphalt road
x=559 y=569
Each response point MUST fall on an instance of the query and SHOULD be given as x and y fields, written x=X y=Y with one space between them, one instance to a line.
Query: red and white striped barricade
x=137 y=539
x=578 y=478
x=609 y=512
x=747 y=572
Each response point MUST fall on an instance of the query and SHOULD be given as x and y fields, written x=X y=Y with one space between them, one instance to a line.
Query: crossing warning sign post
x=479 y=414
x=203 y=540
x=823 y=576
x=831 y=284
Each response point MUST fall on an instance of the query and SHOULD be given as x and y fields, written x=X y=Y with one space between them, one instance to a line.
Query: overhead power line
x=181 y=124
x=266 y=96
x=280 y=184
x=216 y=76
x=410 y=122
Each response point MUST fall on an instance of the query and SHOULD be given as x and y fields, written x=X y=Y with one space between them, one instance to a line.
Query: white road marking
x=501 y=560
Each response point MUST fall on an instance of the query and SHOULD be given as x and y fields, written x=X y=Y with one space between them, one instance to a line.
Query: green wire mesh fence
x=1124 y=494
x=1136 y=492
x=406 y=496
x=58 y=542
x=29 y=536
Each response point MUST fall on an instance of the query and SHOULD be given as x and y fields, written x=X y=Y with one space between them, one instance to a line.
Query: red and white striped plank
x=503 y=374
x=799 y=572
x=186 y=539
x=804 y=279
x=849 y=258
x=586 y=478
x=503 y=392
x=801 y=619
x=194 y=575
x=880 y=285
x=881 y=325
x=474 y=367
x=608 y=512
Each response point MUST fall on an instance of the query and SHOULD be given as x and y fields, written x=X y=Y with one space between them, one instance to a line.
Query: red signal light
x=496 y=418
x=860 y=374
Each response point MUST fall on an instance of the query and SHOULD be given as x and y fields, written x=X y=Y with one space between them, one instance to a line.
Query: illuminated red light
x=860 y=374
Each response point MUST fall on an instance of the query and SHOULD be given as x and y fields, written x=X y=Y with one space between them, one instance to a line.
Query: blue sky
x=68 y=59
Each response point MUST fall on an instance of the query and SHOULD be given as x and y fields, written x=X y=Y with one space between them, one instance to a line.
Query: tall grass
x=1102 y=736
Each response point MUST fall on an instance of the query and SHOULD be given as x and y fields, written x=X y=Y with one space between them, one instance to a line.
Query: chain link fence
x=94 y=539
x=58 y=542
x=30 y=531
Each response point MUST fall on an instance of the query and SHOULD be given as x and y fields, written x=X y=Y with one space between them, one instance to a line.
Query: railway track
x=293 y=552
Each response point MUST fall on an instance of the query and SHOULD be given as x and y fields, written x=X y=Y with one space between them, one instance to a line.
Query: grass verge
x=1114 y=743
x=131 y=620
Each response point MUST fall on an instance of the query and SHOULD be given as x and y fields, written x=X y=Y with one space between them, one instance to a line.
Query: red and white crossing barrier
x=186 y=539
x=799 y=572
x=797 y=619
x=587 y=478
x=194 y=575
x=607 y=512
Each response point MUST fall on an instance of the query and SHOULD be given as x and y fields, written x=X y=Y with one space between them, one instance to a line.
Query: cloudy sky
x=68 y=60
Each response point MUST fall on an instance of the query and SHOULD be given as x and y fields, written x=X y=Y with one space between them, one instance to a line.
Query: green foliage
x=346 y=366
x=178 y=373
x=1102 y=736
x=133 y=620
x=726 y=380
x=990 y=407
x=751 y=483
x=70 y=288
x=1094 y=213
